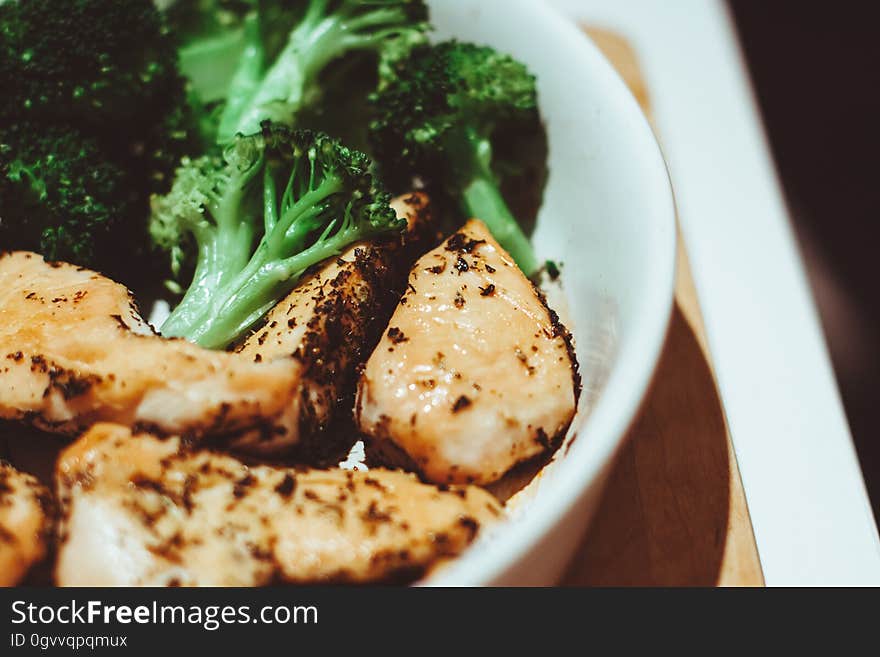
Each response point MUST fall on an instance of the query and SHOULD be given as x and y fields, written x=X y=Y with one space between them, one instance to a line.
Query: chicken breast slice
x=475 y=373
x=330 y=323
x=136 y=510
x=74 y=351
x=25 y=523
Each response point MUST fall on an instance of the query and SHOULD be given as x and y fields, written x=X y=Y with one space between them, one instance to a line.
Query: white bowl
x=609 y=217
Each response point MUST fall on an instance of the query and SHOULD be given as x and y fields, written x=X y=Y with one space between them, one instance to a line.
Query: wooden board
x=674 y=512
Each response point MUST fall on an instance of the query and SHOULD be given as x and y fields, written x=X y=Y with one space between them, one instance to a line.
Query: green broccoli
x=108 y=68
x=275 y=204
x=212 y=35
x=263 y=60
x=60 y=194
x=437 y=114
x=88 y=63
x=88 y=84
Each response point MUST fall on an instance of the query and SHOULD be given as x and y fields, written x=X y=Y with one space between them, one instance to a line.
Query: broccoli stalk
x=481 y=197
x=214 y=35
x=436 y=115
x=277 y=85
x=302 y=197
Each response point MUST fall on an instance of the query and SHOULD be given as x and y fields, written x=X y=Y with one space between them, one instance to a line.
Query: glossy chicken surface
x=25 y=523
x=475 y=373
x=74 y=351
x=329 y=323
x=136 y=510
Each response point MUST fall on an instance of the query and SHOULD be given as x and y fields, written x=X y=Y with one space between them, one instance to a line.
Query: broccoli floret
x=93 y=120
x=267 y=65
x=437 y=113
x=275 y=204
x=60 y=195
x=88 y=62
x=108 y=68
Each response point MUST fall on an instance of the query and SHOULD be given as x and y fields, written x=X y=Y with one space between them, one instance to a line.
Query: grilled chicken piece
x=331 y=321
x=75 y=351
x=475 y=373
x=136 y=510
x=25 y=524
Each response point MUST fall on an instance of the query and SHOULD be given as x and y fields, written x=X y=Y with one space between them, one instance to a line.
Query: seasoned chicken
x=25 y=523
x=475 y=373
x=332 y=320
x=136 y=510
x=75 y=351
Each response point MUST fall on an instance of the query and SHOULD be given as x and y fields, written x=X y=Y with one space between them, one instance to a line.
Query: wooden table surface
x=674 y=512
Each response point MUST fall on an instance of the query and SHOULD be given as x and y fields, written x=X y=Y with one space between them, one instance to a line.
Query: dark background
x=816 y=72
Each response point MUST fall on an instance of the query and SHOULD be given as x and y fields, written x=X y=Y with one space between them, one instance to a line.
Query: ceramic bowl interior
x=608 y=215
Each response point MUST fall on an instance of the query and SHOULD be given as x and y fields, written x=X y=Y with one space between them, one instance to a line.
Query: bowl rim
x=490 y=562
